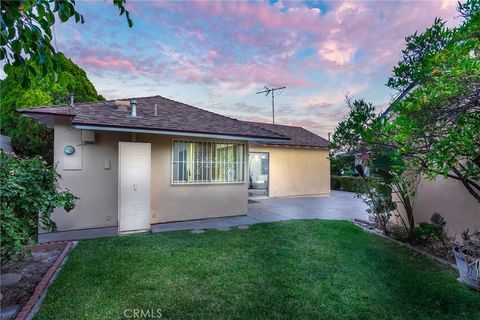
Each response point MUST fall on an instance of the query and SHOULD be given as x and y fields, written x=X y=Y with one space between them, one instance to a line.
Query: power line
x=267 y=92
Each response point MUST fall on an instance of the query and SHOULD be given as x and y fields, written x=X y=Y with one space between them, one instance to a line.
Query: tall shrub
x=30 y=138
x=29 y=191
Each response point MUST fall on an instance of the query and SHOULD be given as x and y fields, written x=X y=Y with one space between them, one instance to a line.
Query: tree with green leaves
x=29 y=138
x=409 y=72
x=434 y=126
x=26 y=34
x=359 y=133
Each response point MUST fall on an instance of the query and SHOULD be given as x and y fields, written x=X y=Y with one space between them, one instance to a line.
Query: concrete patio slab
x=212 y=223
x=339 y=206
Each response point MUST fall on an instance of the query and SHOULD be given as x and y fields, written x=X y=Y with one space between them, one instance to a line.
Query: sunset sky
x=216 y=55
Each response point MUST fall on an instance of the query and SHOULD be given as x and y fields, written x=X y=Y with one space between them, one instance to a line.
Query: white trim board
x=176 y=133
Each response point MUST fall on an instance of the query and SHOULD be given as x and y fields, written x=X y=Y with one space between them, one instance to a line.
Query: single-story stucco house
x=143 y=161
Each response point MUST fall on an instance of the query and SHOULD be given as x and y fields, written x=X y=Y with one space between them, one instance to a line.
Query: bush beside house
x=28 y=190
x=29 y=187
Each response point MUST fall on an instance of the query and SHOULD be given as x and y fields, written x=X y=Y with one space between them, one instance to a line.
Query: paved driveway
x=339 y=206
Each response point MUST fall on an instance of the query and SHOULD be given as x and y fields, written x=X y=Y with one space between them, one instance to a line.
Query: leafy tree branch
x=26 y=33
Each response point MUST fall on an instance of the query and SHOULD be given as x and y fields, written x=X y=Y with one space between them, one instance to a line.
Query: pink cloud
x=377 y=28
x=109 y=63
x=251 y=14
x=240 y=46
x=106 y=61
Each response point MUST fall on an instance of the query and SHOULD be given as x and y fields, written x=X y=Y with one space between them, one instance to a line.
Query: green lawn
x=308 y=269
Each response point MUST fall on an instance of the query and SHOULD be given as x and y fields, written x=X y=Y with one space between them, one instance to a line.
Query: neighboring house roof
x=298 y=135
x=172 y=116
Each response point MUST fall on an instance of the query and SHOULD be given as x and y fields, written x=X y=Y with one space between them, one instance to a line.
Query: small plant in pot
x=467 y=257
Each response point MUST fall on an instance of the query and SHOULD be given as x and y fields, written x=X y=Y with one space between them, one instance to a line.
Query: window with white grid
x=196 y=162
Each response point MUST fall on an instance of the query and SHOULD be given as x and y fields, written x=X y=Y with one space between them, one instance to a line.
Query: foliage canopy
x=30 y=138
x=433 y=128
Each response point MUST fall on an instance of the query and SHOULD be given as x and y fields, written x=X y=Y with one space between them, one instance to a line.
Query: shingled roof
x=172 y=116
x=298 y=135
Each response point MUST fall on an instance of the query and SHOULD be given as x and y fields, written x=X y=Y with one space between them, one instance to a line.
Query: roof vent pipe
x=71 y=102
x=133 y=104
x=156 y=110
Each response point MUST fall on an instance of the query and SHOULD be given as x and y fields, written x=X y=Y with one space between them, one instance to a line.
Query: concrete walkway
x=339 y=206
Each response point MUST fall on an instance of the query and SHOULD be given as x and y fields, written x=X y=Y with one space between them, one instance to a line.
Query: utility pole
x=272 y=90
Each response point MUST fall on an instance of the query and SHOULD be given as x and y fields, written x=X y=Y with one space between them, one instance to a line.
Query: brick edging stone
x=43 y=284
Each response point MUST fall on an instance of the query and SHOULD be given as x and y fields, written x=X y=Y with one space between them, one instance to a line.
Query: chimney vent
x=133 y=104
x=156 y=110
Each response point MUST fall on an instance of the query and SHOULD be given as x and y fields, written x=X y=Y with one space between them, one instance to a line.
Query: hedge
x=347 y=183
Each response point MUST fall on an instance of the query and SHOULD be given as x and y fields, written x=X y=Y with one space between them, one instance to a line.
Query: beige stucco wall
x=297 y=171
x=187 y=202
x=449 y=198
x=95 y=186
x=98 y=191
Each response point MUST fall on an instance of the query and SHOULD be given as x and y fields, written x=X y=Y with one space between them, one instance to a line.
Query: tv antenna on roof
x=267 y=91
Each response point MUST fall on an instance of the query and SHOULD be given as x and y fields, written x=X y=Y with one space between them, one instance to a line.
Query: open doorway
x=258 y=174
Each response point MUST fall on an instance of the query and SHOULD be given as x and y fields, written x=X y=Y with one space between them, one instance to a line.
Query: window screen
x=207 y=162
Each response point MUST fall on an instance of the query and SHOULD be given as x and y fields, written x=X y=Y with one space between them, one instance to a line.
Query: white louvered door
x=134 y=186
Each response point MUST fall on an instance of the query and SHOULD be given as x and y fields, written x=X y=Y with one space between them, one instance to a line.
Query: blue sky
x=216 y=55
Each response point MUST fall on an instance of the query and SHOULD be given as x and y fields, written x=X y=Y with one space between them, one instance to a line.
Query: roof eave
x=178 y=133
x=290 y=145
x=47 y=119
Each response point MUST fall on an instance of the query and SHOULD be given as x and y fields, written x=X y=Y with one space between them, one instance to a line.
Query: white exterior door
x=134 y=186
